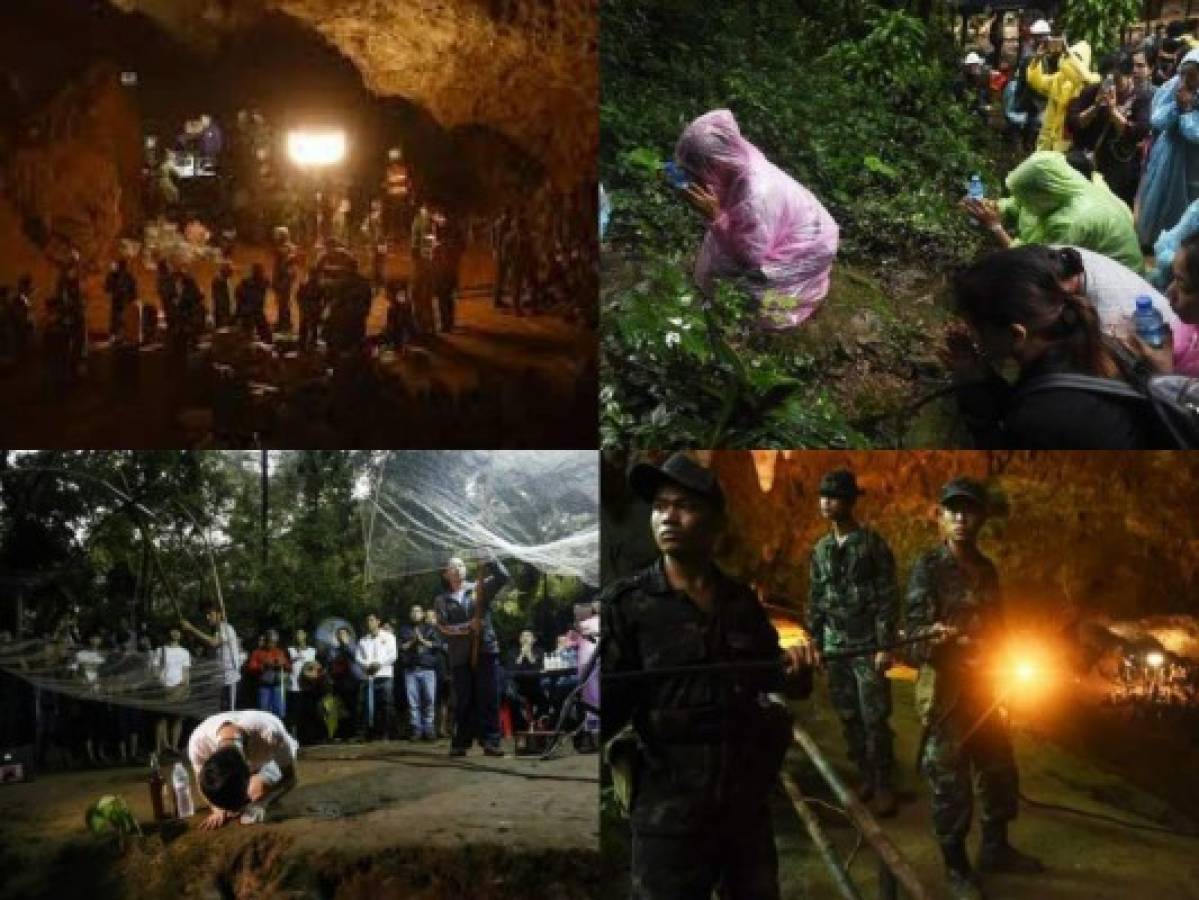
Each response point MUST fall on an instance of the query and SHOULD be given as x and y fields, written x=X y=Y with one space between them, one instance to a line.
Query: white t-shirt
x=172 y=661
x=268 y=747
x=379 y=649
x=89 y=662
x=298 y=659
x=229 y=653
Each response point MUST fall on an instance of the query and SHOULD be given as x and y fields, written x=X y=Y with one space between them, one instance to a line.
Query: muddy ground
x=1067 y=756
x=373 y=820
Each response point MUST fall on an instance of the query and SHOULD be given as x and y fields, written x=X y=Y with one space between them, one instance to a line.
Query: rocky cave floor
x=365 y=820
x=1075 y=755
x=497 y=380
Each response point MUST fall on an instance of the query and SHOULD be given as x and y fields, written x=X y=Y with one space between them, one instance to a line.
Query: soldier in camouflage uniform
x=853 y=604
x=698 y=752
x=953 y=596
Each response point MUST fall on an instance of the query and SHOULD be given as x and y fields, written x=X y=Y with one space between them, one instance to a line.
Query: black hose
x=1102 y=817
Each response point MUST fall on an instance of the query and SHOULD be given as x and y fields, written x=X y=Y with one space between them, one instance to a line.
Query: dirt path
x=1085 y=859
x=365 y=820
x=519 y=379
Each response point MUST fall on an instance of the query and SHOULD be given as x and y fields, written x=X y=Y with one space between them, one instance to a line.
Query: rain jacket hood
x=1076 y=64
x=1073 y=74
x=1045 y=182
x=1171 y=178
x=769 y=230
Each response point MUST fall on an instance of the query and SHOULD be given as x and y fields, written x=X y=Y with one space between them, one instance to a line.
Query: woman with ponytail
x=1113 y=289
x=1021 y=316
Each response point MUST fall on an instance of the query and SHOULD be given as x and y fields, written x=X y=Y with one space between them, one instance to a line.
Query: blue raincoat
x=1171 y=179
x=1168 y=243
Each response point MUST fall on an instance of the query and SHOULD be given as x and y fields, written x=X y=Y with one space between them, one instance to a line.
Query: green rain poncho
x=1052 y=203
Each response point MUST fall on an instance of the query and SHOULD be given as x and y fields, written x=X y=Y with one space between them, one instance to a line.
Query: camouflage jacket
x=853 y=599
x=941 y=589
x=699 y=733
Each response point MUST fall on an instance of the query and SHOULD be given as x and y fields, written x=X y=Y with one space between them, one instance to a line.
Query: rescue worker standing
x=953 y=597
x=853 y=604
x=701 y=750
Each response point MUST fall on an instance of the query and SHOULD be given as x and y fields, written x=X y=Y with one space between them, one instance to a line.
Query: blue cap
x=1144 y=302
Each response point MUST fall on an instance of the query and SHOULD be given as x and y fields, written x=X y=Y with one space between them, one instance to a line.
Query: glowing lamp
x=316 y=149
x=1154 y=658
x=1025 y=671
x=764 y=461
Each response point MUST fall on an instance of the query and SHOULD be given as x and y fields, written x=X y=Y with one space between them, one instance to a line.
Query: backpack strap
x=1107 y=387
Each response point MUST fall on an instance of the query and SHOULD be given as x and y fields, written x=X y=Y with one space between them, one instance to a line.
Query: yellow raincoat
x=1073 y=74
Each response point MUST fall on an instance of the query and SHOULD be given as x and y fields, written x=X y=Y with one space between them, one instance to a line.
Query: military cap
x=840 y=483
x=965 y=489
x=645 y=478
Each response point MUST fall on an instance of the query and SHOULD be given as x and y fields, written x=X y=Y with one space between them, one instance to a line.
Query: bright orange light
x=1154 y=658
x=1026 y=671
x=790 y=634
x=316 y=149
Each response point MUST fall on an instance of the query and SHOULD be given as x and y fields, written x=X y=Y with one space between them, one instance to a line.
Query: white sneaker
x=254 y=814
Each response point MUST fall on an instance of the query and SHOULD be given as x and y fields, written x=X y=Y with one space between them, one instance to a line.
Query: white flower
x=676 y=321
x=672 y=339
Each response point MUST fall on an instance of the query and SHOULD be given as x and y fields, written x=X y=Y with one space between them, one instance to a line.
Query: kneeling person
x=243 y=761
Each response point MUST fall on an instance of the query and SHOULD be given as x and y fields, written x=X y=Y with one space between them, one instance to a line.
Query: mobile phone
x=675 y=175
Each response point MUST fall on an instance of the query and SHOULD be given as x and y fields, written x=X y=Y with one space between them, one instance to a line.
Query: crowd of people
x=1103 y=213
x=436 y=673
x=1168 y=691
x=331 y=255
x=1098 y=217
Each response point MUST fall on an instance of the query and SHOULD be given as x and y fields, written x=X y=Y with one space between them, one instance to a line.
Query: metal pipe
x=847 y=888
x=755 y=665
x=865 y=822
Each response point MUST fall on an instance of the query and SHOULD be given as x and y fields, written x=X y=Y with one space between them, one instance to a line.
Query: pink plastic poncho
x=769 y=229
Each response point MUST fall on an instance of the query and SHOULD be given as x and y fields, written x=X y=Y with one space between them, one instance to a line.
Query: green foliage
x=853 y=100
x=864 y=120
x=1099 y=22
x=80 y=552
x=751 y=394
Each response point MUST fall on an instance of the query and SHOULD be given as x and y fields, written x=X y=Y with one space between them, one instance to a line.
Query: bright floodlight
x=1026 y=671
x=1154 y=658
x=316 y=148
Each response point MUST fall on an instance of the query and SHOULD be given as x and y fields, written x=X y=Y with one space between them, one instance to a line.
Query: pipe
x=865 y=822
x=819 y=838
x=754 y=665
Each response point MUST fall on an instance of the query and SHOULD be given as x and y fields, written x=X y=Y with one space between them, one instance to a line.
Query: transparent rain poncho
x=770 y=231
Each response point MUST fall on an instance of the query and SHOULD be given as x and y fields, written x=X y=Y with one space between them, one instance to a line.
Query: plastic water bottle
x=184 y=807
x=974 y=188
x=1150 y=326
x=156 y=784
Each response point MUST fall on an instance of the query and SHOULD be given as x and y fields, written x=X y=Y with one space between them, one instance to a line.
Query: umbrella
x=326 y=633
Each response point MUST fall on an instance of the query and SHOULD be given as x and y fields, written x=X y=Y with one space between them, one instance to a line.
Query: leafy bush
x=1099 y=22
x=853 y=100
x=868 y=123
x=661 y=335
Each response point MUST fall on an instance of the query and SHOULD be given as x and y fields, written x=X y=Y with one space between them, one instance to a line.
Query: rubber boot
x=885 y=805
x=961 y=880
x=995 y=854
